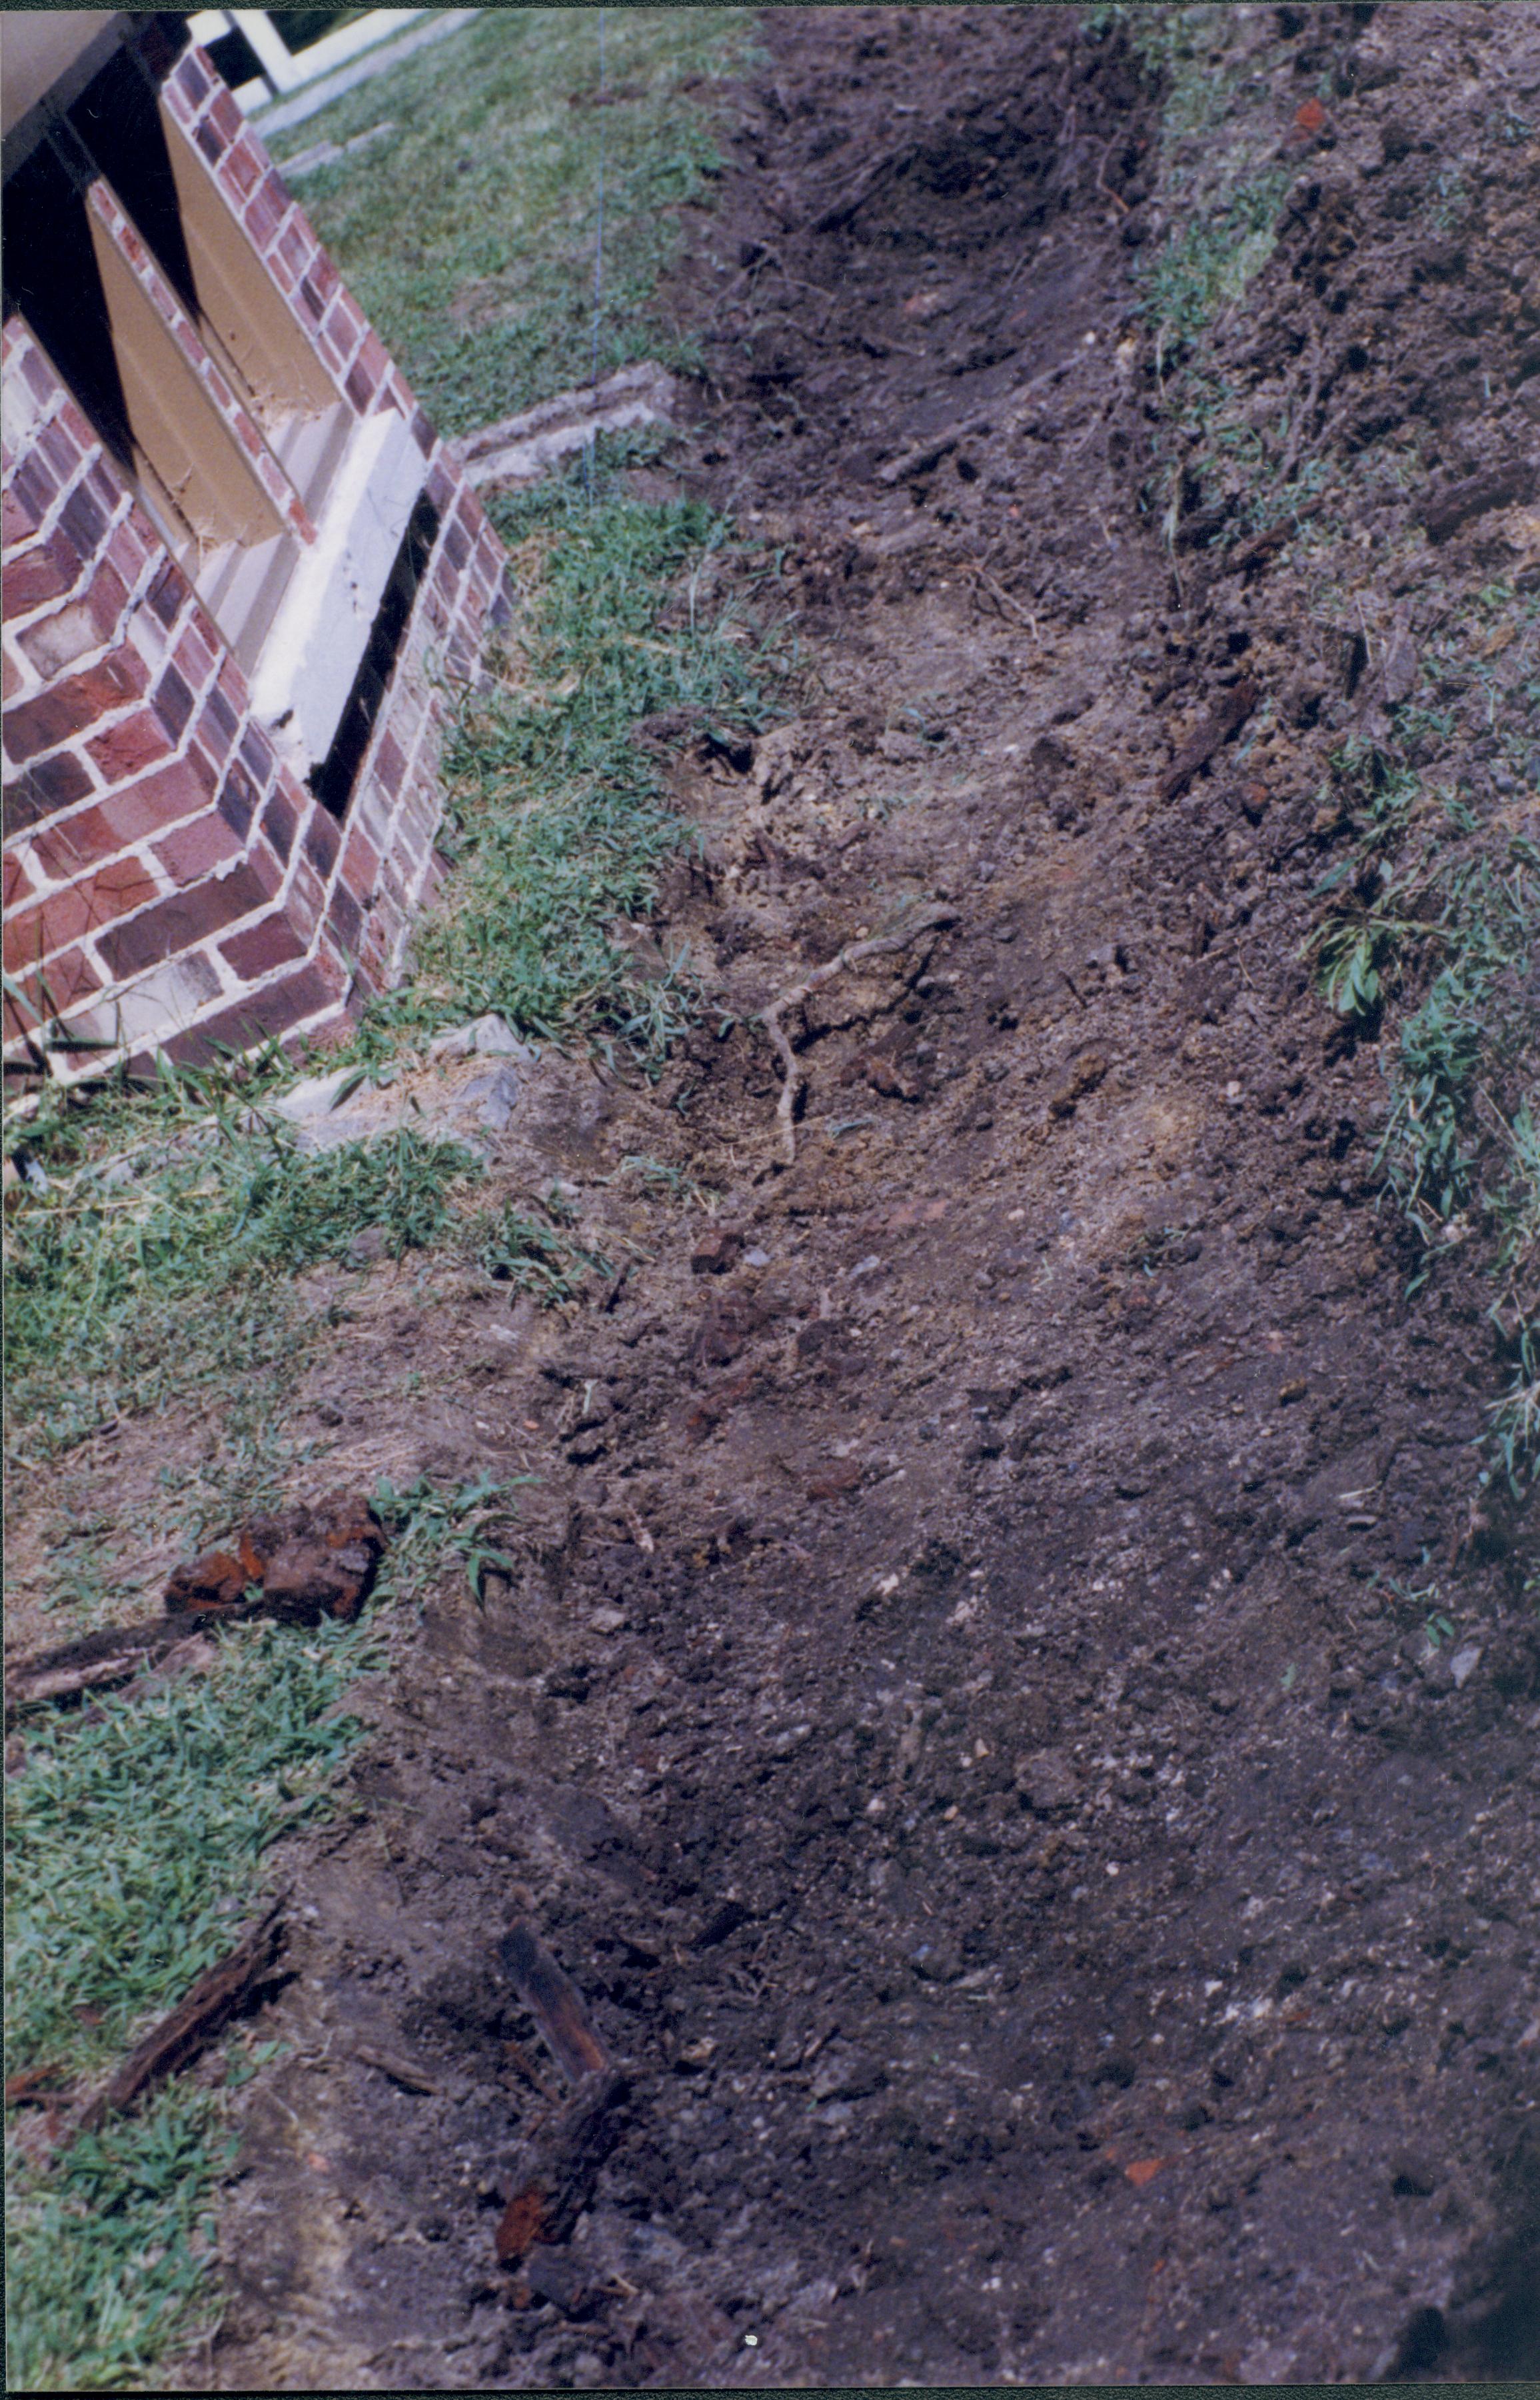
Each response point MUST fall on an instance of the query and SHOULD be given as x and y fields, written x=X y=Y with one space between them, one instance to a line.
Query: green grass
x=468 y=234
x=107 y=2258
x=135 y=1847
x=558 y=821
x=159 y=1250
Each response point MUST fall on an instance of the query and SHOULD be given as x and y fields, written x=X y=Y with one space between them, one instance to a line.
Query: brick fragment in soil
x=953 y=1722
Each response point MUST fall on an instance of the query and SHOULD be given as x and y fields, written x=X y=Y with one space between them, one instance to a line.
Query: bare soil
x=958 y=1720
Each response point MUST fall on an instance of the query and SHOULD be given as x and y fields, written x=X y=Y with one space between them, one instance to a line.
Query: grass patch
x=467 y=232
x=134 y=1847
x=107 y=2258
x=154 y=1240
x=558 y=820
x=1436 y=901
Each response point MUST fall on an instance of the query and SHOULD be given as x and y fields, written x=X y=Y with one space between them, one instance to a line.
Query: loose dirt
x=958 y=1718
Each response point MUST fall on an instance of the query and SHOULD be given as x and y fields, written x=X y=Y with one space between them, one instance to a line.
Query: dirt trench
x=958 y=1718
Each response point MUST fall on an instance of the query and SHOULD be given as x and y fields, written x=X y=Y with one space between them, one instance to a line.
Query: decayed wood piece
x=312 y=1561
x=97 y=1663
x=1227 y=716
x=556 y=2176
x=552 y=2000
x=554 y=2179
x=212 y=2000
x=929 y=921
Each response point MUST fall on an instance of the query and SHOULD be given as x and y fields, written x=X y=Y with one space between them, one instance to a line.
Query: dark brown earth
x=962 y=1719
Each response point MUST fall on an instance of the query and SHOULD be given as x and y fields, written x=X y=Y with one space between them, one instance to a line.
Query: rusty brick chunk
x=716 y=1253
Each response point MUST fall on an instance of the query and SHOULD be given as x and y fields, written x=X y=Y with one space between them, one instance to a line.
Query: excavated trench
x=957 y=1720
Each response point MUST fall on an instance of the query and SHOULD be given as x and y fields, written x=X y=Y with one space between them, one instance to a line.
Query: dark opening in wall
x=236 y=59
x=117 y=119
x=51 y=275
x=333 y=780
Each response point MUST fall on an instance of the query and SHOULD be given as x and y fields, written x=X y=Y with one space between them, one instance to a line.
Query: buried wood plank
x=554 y=2182
x=206 y=2009
x=552 y=2000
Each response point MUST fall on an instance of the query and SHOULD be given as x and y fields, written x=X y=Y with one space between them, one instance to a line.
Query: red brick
x=310 y=992
x=295 y=248
x=279 y=820
x=168 y=591
x=77 y=909
x=322 y=841
x=180 y=923
x=12 y=681
x=130 y=748
x=390 y=766
x=71 y=707
x=84 y=521
x=17 y=520
x=39 y=374
x=173 y=704
x=37 y=577
x=62 y=454
x=225 y=116
x=194 y=79
x=267 y=209
x=272 y=943
x=197 y=849
x=51 y=784
x=361 y=386
x=195 y=656
x=159 y=802
x=18 y=885
x=345 y=917
x=68 y=978
x=361 y=865
x=128 y=817
x=242 y=170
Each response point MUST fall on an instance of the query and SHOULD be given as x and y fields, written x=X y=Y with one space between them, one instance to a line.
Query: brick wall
x=169 y=881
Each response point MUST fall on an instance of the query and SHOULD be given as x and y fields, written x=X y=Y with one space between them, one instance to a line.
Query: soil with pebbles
x=962 y=1716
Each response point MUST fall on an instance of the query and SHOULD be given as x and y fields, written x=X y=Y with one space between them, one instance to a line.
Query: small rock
x=316 y=1096
x=1462 y=1665
x=498 y=1095
x=1084 y=1077
x=846 y=2074
x=608 y=1620
x=719 y=1251
x=493 y=1037
x=1049 y=1781
x=1295 y=1389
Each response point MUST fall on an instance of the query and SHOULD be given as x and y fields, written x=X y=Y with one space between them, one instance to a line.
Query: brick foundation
x=169 y=882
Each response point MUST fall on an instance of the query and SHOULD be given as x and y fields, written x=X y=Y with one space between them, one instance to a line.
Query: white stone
x=1464 y=1664
x=316 y=1096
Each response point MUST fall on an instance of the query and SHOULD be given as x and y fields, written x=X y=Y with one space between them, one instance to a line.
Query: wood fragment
x=179 y=2036
x=1228 y=715
x=555 y=2177
x=398 y=2070
x=929 y=921
x=553 y=2002
x=920 y=459
x=96 y=1663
